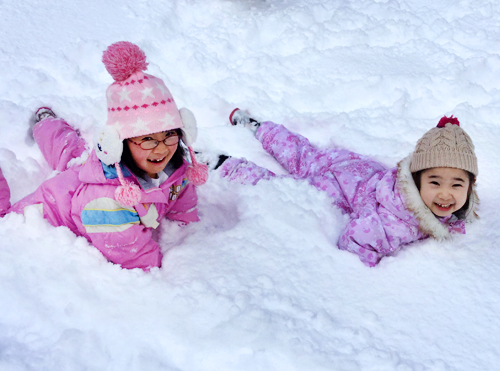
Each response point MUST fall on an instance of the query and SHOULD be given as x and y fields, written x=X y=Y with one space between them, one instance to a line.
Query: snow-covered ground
x=258 y=284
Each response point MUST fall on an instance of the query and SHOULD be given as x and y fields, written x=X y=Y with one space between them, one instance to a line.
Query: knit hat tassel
x=128 y=194
x=196 y=173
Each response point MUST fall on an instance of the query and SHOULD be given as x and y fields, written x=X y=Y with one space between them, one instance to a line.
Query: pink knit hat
x=140 y=104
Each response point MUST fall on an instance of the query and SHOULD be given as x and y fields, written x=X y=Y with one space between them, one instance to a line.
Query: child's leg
x=292 y=151
x=58 y=142
x=4 y=195
x=243 y=171
x=339 y=172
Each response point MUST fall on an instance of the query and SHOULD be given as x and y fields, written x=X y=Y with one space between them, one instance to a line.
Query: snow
x=258 y=283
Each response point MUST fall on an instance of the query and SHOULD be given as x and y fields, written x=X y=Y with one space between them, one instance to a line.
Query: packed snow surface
x=258 y=283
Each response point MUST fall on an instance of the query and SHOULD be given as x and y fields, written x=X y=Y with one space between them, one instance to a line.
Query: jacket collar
x=94 y=172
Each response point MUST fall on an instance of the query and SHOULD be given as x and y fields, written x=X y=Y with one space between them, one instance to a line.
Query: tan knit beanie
x=446 y=145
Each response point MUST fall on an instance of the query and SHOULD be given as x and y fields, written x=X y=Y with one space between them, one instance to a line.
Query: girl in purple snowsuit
x=428 y=194
x=136 y=175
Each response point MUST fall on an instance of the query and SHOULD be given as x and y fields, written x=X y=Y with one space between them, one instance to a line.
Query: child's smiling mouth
x=443 y=207
x=156 y=161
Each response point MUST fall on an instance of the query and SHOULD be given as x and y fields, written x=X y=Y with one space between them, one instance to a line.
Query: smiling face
x=444 y=189
x=152 y=161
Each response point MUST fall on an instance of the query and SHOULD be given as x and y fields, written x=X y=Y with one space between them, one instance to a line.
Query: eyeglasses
x=171 y=140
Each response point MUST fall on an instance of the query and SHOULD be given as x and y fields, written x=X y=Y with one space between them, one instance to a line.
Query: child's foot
x=212 y=160
x=240 y=118
x=42 y=113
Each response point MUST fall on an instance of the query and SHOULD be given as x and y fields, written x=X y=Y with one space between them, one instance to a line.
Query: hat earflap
x=109 y=148
x=108 y=145
x=190 y=130
x=197 y=173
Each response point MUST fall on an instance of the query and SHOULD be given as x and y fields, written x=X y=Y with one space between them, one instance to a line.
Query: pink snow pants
x=338 y=172
x=59 y=143
x=58 y=146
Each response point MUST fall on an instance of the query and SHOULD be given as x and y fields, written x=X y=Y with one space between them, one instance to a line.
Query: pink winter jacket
x=385 y=207
x=82 y=199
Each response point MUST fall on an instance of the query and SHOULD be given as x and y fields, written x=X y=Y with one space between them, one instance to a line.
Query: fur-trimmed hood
x=428 y=222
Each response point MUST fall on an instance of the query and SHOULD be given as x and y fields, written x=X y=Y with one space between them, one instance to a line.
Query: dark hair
x=461 y=213
x=176 y=161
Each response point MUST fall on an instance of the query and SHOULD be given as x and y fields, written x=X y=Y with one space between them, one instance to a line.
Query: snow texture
x=258 y=283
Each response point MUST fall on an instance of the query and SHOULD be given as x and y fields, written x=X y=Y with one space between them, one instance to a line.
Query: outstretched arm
x=377 y=233
x=4 y=195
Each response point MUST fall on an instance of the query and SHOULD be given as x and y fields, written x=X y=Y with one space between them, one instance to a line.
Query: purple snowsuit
x=385 y=206
x=82 y=199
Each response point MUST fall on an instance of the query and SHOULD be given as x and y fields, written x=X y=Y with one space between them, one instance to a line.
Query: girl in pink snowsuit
x=428 y=194
x=136 y=175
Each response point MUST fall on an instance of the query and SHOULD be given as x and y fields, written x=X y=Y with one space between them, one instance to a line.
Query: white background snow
x=259 y=283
